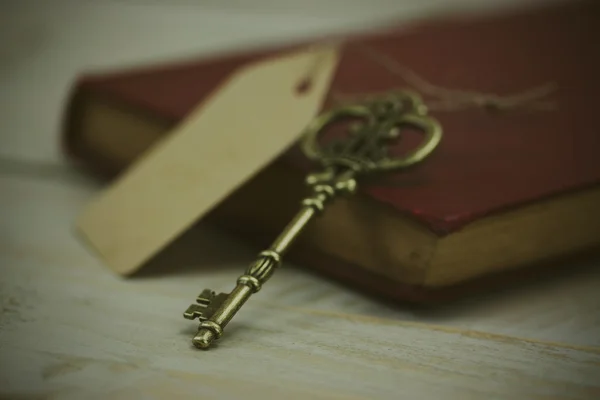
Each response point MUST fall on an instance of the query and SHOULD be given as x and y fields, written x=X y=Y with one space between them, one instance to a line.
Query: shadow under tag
x=255 y=116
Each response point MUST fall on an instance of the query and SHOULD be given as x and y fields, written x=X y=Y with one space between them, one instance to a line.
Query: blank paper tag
x=254 y=117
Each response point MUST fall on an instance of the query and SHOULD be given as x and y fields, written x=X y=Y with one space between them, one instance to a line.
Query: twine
x=446 y=99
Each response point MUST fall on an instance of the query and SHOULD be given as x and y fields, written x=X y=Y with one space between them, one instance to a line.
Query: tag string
x=446 y=99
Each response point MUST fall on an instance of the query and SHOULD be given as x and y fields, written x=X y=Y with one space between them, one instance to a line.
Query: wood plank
x=287 y=354
x=563 y=308
x=70 y=329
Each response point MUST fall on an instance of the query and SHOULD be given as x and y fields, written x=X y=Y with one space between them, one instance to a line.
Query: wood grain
x=70 y=328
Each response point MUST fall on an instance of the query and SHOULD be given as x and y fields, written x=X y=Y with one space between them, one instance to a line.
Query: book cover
x=490 y=161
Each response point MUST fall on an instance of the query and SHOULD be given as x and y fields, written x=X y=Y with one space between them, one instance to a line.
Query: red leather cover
x=487 y=162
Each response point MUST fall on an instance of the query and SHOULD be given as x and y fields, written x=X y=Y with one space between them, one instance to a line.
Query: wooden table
x=70 y=329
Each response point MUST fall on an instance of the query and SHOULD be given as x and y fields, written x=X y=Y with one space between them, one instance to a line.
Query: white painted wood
x=72 y=329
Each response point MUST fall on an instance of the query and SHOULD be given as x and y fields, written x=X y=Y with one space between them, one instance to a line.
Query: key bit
x=223 y=307
x=207 y=303
x=364 y=152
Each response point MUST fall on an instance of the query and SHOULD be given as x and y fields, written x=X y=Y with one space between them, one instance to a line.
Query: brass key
x=363 y=152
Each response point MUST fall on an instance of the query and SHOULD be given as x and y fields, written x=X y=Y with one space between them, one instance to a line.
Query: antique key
x=364 y=151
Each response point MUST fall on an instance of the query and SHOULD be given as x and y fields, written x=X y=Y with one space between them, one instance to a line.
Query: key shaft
x=325 y=186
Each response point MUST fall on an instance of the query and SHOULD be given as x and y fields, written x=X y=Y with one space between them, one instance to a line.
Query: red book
x=504 y=191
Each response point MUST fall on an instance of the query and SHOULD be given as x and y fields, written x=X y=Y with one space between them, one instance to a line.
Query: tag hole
x=304 y=86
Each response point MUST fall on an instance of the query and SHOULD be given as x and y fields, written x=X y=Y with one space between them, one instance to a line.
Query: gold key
x=363 y=152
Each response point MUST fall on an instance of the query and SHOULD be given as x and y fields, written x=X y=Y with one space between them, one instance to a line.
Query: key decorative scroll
x=364 y=150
